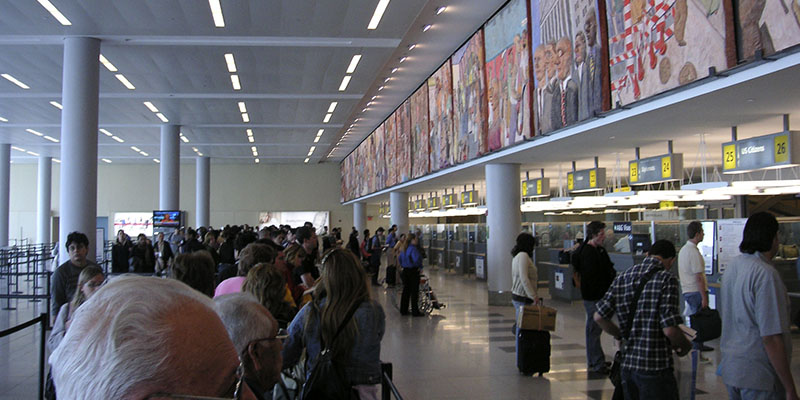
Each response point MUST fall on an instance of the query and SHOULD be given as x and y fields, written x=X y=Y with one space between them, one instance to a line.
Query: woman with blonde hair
x=267 y=284
x=341 y=299
x=89 y=280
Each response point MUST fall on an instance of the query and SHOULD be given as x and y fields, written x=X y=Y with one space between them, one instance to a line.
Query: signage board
x=420 y=204
x=449 y=200
x=729 y=236
x=536 y=187
x=586 y=180
x=624 y=228
x=469 y=197
x=666 y=167
x=433 y=203
x=770 y=151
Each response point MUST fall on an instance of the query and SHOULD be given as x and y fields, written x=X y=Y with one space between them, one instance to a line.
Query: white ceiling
x=291 y=56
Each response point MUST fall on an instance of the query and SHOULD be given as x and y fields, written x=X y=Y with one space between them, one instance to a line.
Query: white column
x=504 y=224
x=79 y=96
x=398 y=205
x=43 y=199
x=5 y=191
x=203 y=189
x=360 y=217
x=169 y=173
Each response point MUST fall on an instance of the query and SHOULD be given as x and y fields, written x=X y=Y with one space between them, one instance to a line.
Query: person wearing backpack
x=341 y=330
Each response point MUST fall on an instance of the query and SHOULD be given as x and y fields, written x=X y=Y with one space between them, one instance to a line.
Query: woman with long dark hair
x=524 y=275
x=342 y=288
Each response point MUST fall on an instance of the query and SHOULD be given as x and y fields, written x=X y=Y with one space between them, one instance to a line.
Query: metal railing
x=42 y=320
x=388 y=389
x=24 y=270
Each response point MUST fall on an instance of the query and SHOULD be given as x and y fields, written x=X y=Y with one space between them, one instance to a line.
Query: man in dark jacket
x=120 y=253
x=594 y=273
x=375 y=250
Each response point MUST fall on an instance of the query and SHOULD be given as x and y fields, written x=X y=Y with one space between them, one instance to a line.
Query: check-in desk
x=437 y=257
x=476 y=256
x=457 y=256
x=560 y=281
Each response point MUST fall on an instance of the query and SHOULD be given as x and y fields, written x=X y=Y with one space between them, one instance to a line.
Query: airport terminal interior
x=465 y=122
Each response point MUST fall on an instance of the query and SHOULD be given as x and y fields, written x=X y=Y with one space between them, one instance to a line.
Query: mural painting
x=440 y=106
x=469 y=98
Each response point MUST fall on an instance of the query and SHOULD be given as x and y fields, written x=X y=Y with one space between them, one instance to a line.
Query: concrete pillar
x=169 y=173
x=5 y=191
x=79 y=96
x=203 y=189
x=43 y=199
x=503 y=225
x=398 y=204
x=360 y=217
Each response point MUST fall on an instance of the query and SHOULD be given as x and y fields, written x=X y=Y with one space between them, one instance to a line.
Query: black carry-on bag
x=533 y=351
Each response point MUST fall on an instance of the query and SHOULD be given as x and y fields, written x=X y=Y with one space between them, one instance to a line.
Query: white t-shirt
x=690 y=263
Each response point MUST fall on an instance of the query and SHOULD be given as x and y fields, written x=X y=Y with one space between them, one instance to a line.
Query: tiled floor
x=465 y=351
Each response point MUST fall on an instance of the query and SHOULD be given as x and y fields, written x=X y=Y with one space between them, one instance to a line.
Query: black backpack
x=328 y=379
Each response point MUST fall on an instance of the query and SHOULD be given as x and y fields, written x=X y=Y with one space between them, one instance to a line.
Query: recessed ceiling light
x=257 y=161
x=195 y=149
x=311 y=150
x=345 y=82
x=150 y=106
x=245 y=117
x=54 y=12
x=15 y=81
x=426 y=27
x=402 y=59
x=125 y=81
x=394 y=69
x=37 y=133
x=376 y=17
x=50 y=138
x=381 y=88
x=319 y=132
x=105 y=160
x=327 y=118
x=613 y=137
x=118 y=139
x=157 y=161
x=332 y=106
x=253 y=148
x=33 y=153
x=365 y=109
x=250 y=139
x=387 y=79
x=255 y=154
x=440 y=10
x=235 y=82
x=306 y=161
x=3 y=119
x=56 y=105
x=199 y=154
x=316 y=139
x=353 y=63
x=412 y=47
x=162 y=117
x=136 y=149
x=216 y=13
x=144 y=153
x=105 y=132
x=185 y=139
x=230 y=62
x=242 y=107
x=109 y=66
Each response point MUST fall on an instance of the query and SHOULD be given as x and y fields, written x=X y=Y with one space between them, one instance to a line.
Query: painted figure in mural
x=541 y=102
x=553 y=90
x=593 y=64
x=443 y=105
x=568 y=101
x=495 y=123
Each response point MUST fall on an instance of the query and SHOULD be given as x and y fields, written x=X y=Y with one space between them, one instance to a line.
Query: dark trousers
x=410 y=290
x=658 y=385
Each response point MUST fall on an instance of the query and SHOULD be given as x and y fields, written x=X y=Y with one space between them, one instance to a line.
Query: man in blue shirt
x=411 y=262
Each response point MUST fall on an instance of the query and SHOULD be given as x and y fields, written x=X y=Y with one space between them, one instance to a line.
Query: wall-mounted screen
x=134 y=223
x=166 y=219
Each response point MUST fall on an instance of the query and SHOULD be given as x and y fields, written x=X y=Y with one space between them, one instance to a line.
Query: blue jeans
x=595 y=357
x=517 y=305
x=695 y=302
x=655 y=385
x=735 y=393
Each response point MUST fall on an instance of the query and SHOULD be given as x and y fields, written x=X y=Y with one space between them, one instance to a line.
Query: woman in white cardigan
x=524 y=290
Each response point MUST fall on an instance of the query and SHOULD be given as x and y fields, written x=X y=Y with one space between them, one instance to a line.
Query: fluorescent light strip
x=125 y=81
x=394 y=69
x=327 y=118
x=216 y=13
x=32 y=153
x=157 y=161
x=412 y=47
x=105 y=160
x=37 y=133
x=199 y=154
x=426 y=27
x=381 y=88
x=150 y=106
x=257 y=161
x=403 y=59
x=57 y=161
x=185 y=139
x=242 y=107
x=229 y=60
x=306 y=161
x=332 y=106
x=3 y=119
x=235 y=82
x=316 y=139
x=353 y=63
x=118 y=139
x=162 y=117
x=56 y=105
x=440 y=10
x=311 y=150
x=319 y=132
x=376 y=17
x=52 y=139
x=54 y=12
x=245 y=117
x=195 y=149
x=144 y=153
x=253 y=149
x=17 y=148
x=109 y=66
x=345 y=82
x=136 y=149
x=15 y=81
x=105 y=132
x=250 y=139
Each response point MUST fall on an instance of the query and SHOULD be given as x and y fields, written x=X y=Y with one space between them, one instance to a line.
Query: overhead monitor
x=166 y=219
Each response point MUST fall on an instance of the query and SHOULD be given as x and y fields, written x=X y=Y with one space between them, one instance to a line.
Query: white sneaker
x=703 y=359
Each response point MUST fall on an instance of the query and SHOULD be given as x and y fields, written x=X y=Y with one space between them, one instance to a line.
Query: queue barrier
x=43 y=321
x=388 y=389
x=24 y=270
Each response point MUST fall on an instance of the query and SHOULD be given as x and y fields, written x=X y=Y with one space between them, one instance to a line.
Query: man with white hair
x=254 y=332
x=137 y=338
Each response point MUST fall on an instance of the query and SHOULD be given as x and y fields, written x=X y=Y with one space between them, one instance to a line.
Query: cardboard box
x=538 y=318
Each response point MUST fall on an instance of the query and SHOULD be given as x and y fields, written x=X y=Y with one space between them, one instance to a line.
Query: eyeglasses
x=281 y=335
x=237 y=392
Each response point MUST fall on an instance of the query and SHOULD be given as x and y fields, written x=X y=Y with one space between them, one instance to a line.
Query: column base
x=500 y=298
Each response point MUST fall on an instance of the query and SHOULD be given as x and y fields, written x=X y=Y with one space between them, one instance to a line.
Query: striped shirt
x=646 y=348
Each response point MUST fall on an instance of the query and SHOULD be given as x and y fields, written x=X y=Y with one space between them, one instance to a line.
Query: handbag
x=707 y=323
x=328 y=379
x=615 y=373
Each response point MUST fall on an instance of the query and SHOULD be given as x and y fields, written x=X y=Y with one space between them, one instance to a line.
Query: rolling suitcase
x=533 y=351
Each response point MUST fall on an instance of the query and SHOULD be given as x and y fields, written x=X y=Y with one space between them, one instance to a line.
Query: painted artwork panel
x=469 y=100
x=766 y=25
x=568 y=63
x=343 y=184
x=380 y=159
x=659 y=45
x=403 y=144
x=508 y=66
x=390 y=127
x=440 y=106
x=420 y=138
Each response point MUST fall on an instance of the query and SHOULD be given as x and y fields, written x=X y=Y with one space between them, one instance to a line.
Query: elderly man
x=137 y=338
x=255 y=335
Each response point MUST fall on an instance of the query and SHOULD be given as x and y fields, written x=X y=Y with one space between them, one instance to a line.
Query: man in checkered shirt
x=647 y=362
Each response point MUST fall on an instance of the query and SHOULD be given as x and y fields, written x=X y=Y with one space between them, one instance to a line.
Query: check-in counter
x=457 y=256
x=476 y=254
x=437 y=257
x=560 y=282
x=623 y=261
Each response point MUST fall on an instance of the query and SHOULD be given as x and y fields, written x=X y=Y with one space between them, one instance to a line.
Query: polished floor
x=465 y=351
